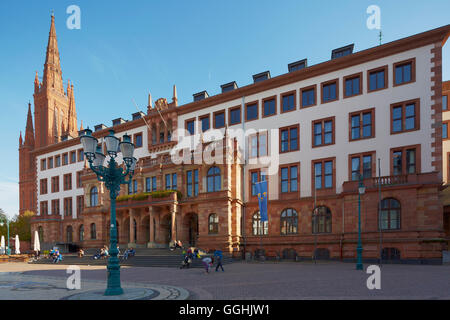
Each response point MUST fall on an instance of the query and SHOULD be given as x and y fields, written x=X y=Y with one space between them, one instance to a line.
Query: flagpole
x=315 y=223
x=379 y=212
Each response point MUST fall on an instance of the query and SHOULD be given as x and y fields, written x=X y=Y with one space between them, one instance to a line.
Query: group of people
x=127 y=253
x=55 y=255
x=207 y=261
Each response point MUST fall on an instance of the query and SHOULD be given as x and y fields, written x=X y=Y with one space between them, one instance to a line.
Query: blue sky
x=126 y=49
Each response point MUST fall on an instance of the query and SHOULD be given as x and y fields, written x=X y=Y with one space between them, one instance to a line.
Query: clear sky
x=126 y=49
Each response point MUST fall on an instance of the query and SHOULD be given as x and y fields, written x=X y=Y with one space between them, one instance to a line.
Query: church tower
x=55 y=116
x=55 y=119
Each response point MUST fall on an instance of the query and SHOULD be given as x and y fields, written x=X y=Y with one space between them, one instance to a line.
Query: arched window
x=94 y=196
x=321 y=220
x=390 y=214
x=213 y=177
x=169 y=130
x=41 y=234
x=93 y=231
x=69 y=234
x=154 y=137
x=213 y=223
x=81 y=233
x=259 y=228
x=289 y=221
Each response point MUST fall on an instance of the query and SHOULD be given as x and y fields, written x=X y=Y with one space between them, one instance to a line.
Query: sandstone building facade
x=310 y=132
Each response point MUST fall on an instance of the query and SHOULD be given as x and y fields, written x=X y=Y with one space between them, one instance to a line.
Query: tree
x=21 y=225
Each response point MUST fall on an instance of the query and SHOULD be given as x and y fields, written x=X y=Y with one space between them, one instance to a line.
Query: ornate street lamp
x=359 y=249
x=2 y=223
x=113 y=176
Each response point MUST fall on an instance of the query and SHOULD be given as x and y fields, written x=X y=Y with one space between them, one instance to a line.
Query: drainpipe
x=244 y=236
x=341 y=244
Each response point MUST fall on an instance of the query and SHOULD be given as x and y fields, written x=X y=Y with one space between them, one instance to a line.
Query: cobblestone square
x=246 y=281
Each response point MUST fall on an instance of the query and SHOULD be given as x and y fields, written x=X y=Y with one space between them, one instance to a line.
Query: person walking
x=218 y=257
x=206 y=263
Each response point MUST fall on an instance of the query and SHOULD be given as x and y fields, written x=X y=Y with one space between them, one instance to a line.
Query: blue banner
x=261 y=190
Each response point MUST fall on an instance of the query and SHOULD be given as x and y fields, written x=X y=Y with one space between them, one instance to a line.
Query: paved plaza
x=241 y=280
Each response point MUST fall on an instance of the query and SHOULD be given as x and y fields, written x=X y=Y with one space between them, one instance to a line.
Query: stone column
x=173 y=213
x=131 y=243
x=151 y=244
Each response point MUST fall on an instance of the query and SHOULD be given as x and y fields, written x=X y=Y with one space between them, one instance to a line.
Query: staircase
x=145 y=257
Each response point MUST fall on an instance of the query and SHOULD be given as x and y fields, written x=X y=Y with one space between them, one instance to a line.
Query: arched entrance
x=145 y=229
x=191 y=223
x=125 y=231
x=166 y=229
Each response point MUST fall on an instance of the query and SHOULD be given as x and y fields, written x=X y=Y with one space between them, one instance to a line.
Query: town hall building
x=314 y=133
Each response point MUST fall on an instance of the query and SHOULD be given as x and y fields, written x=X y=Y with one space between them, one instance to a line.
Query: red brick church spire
x=29 y=131
x=52 y=67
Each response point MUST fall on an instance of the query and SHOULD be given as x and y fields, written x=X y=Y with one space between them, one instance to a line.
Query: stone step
x=137 y=261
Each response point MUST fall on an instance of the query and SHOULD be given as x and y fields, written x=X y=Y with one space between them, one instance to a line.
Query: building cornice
x=419 y=40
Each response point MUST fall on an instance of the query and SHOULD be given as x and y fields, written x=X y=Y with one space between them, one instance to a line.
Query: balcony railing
x=390 y=180
x=398 y=180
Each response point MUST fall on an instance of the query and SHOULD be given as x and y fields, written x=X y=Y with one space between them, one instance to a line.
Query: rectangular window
x=44 y=207
x=323 y=132
x=219 y=119
x=50 y=163
x=269 y=106
x=80 y=155
x=330 y=91
x=362 y=164
x=205 y=122
x=43 y=164
x=80 y=205
x=289 y=138
x=362 y=124
x=190 y=126
x=235 y=115
x=352 y=85
x=55 y=206
x=171 y=181
x=135 y=186
x=192 y=183
x=405 y=160
x=445 y=130
x=405 y=116
x=251 y=111
x=67 y=207
x=323 y=174
x=73 y=156
x=445 y=103
x=55 y=184
x=67 y=181
x=57 y=161
x=79 y=182
x=255 y=177
x=288 y=101
x=153 y=183
x=138 y=140
x=289 y=178
x=377 y=79
x=258 y=145
x=308 y=96
x=404 y=72
x=43 y=186
x=65 y=159
x=148 y=186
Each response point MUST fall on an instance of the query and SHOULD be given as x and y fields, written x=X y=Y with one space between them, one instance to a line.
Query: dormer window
x=298 y=65
x=341 y=52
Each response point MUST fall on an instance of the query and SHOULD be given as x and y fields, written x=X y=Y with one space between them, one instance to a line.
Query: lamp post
x=8 y=251
x=113 y=176
x=359 y=249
